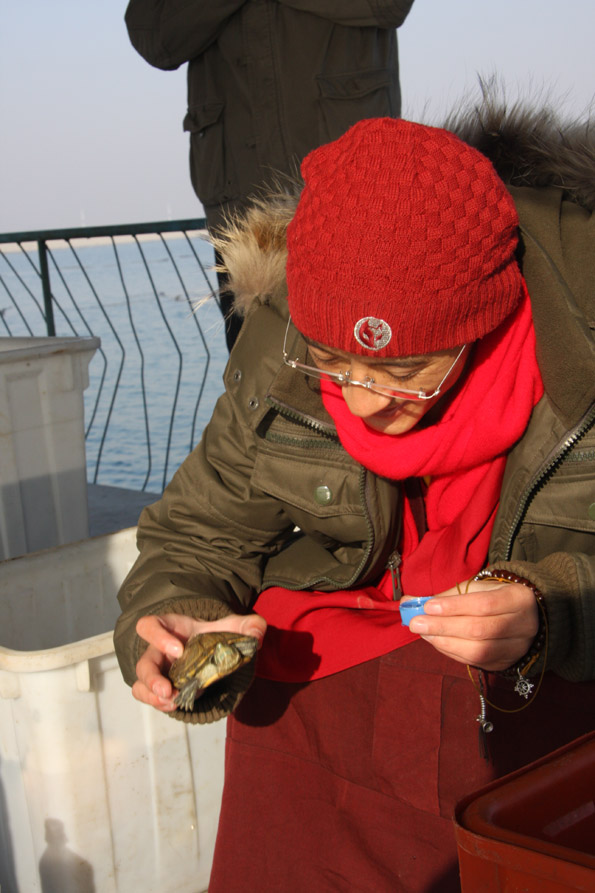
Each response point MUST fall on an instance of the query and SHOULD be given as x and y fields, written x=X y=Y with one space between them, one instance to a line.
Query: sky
x=90 y=134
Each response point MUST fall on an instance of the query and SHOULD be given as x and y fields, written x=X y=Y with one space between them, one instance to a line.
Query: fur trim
x=254 y=251
x=527 y=148
x=530 y=146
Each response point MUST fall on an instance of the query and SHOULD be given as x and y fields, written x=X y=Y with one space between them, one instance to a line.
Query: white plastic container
x=98 y=793
x=43 y=480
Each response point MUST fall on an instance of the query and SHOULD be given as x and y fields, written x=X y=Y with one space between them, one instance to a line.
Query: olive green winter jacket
x=269 y=80
x=270 y=460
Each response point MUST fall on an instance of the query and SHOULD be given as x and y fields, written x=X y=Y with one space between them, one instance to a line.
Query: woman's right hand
x=166 y=635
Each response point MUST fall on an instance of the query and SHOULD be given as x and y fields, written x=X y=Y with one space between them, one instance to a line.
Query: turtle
x=207 y=658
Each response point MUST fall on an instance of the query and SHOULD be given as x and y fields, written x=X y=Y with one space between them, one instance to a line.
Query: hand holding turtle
x=484 y=623
x=166 y=636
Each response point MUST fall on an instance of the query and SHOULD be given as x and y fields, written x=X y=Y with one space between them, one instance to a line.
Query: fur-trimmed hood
x=530 y=148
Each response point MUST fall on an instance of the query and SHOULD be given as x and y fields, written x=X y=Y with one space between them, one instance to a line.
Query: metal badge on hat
x=372 y=333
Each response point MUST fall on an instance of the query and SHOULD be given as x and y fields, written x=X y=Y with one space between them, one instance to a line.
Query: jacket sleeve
x=356 y=13
x=567 y=582
x=168 y=33
x=203 y=547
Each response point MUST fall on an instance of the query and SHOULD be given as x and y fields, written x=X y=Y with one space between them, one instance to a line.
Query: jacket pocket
x=318 y=484
x=205 y=124
x=321 y=497
x=347 y=98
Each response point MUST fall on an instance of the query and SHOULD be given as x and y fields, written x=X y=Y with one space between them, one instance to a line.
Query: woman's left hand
x=492 y=625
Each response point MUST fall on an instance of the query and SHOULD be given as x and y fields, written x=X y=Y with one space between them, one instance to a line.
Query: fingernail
x=418 y=625
x=174 y=651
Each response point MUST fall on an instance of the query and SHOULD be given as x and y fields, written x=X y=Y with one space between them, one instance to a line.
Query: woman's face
x=392 y=415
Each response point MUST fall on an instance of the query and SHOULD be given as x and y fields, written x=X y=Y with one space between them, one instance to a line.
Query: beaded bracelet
x=539 y=645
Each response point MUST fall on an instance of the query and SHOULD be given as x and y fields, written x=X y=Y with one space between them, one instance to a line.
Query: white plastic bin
x=43 y=479
x=98 y=793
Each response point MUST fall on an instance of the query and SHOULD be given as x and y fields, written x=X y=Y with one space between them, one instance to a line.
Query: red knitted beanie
x=403 y=242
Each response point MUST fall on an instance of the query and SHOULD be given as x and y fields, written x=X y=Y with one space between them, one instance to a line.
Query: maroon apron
x=348 y=783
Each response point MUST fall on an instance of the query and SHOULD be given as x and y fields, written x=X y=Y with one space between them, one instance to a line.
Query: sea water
x=154 y=382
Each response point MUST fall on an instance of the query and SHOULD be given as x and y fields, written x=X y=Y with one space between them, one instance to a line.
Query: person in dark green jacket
x=408 y=412
x=269 y=80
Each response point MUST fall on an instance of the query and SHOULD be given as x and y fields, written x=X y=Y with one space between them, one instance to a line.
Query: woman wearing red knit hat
x=407 y=421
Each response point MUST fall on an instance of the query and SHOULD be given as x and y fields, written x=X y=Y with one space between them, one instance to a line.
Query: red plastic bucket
x=532 y=831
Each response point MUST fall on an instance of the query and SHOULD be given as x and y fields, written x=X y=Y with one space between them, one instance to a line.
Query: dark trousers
x=233 y=321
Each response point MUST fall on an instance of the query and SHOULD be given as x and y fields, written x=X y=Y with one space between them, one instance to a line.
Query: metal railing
x=143 y=289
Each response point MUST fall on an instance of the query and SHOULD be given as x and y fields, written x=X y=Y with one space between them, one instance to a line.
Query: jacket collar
x=298 y=396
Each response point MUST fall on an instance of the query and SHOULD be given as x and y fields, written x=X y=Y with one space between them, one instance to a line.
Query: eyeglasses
x=344 y=378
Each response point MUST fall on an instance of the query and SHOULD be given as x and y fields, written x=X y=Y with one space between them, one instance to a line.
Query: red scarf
x=314 y=634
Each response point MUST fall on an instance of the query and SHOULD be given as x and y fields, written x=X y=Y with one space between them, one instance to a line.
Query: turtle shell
x=207 y=658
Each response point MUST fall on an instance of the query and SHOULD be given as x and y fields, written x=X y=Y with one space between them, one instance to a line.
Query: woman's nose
x=362 y=402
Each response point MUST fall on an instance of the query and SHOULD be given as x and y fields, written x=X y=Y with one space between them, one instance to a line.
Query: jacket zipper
x=306 y=420
x=394 y=566
x=549 y=465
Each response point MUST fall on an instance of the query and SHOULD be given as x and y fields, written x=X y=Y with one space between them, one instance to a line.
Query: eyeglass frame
x=344 y=378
